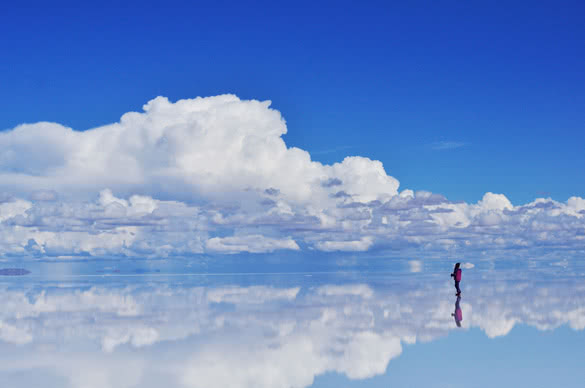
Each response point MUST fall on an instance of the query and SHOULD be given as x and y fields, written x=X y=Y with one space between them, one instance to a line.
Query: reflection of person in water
x=458 y=314
x=457 y=276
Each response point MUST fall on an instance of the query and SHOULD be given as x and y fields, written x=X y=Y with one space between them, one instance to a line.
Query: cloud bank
x=214 y=175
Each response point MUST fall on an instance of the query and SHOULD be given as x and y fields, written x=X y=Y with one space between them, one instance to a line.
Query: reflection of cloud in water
x=253 y=294
x=415 y=265
x=258 y=336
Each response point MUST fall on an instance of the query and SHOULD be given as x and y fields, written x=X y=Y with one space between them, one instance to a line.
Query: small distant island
x=13 y=271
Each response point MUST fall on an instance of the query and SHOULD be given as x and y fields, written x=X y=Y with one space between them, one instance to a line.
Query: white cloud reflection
x=251 y=336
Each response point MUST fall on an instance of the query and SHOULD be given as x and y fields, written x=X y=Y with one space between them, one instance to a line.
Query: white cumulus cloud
x=215 y=175
x=250 y=243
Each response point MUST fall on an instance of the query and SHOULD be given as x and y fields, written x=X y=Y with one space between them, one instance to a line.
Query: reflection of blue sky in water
x=283 y=330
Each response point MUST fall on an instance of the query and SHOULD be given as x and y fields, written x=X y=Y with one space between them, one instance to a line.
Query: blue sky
x=479 y=106
x=500 y=83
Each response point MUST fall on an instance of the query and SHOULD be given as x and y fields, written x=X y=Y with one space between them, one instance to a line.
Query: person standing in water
x=456 y=275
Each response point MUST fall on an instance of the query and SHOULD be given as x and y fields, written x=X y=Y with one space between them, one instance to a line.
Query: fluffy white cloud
x=356 y=245
x=214 y=175
x=207 y=146
x=250 y=243
x=13 y=208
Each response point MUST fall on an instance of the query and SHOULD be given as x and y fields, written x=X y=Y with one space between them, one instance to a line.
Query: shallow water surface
x=98 y=325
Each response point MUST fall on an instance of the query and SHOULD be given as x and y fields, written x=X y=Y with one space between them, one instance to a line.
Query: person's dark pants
x=457 y=287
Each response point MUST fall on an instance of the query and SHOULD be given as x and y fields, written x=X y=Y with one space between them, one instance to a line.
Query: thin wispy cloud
x=446 y=145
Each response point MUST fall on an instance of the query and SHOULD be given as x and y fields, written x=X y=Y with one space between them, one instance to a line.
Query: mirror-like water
x=149 y=328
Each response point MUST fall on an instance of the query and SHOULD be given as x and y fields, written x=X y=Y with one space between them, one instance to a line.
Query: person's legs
x=457 y=287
